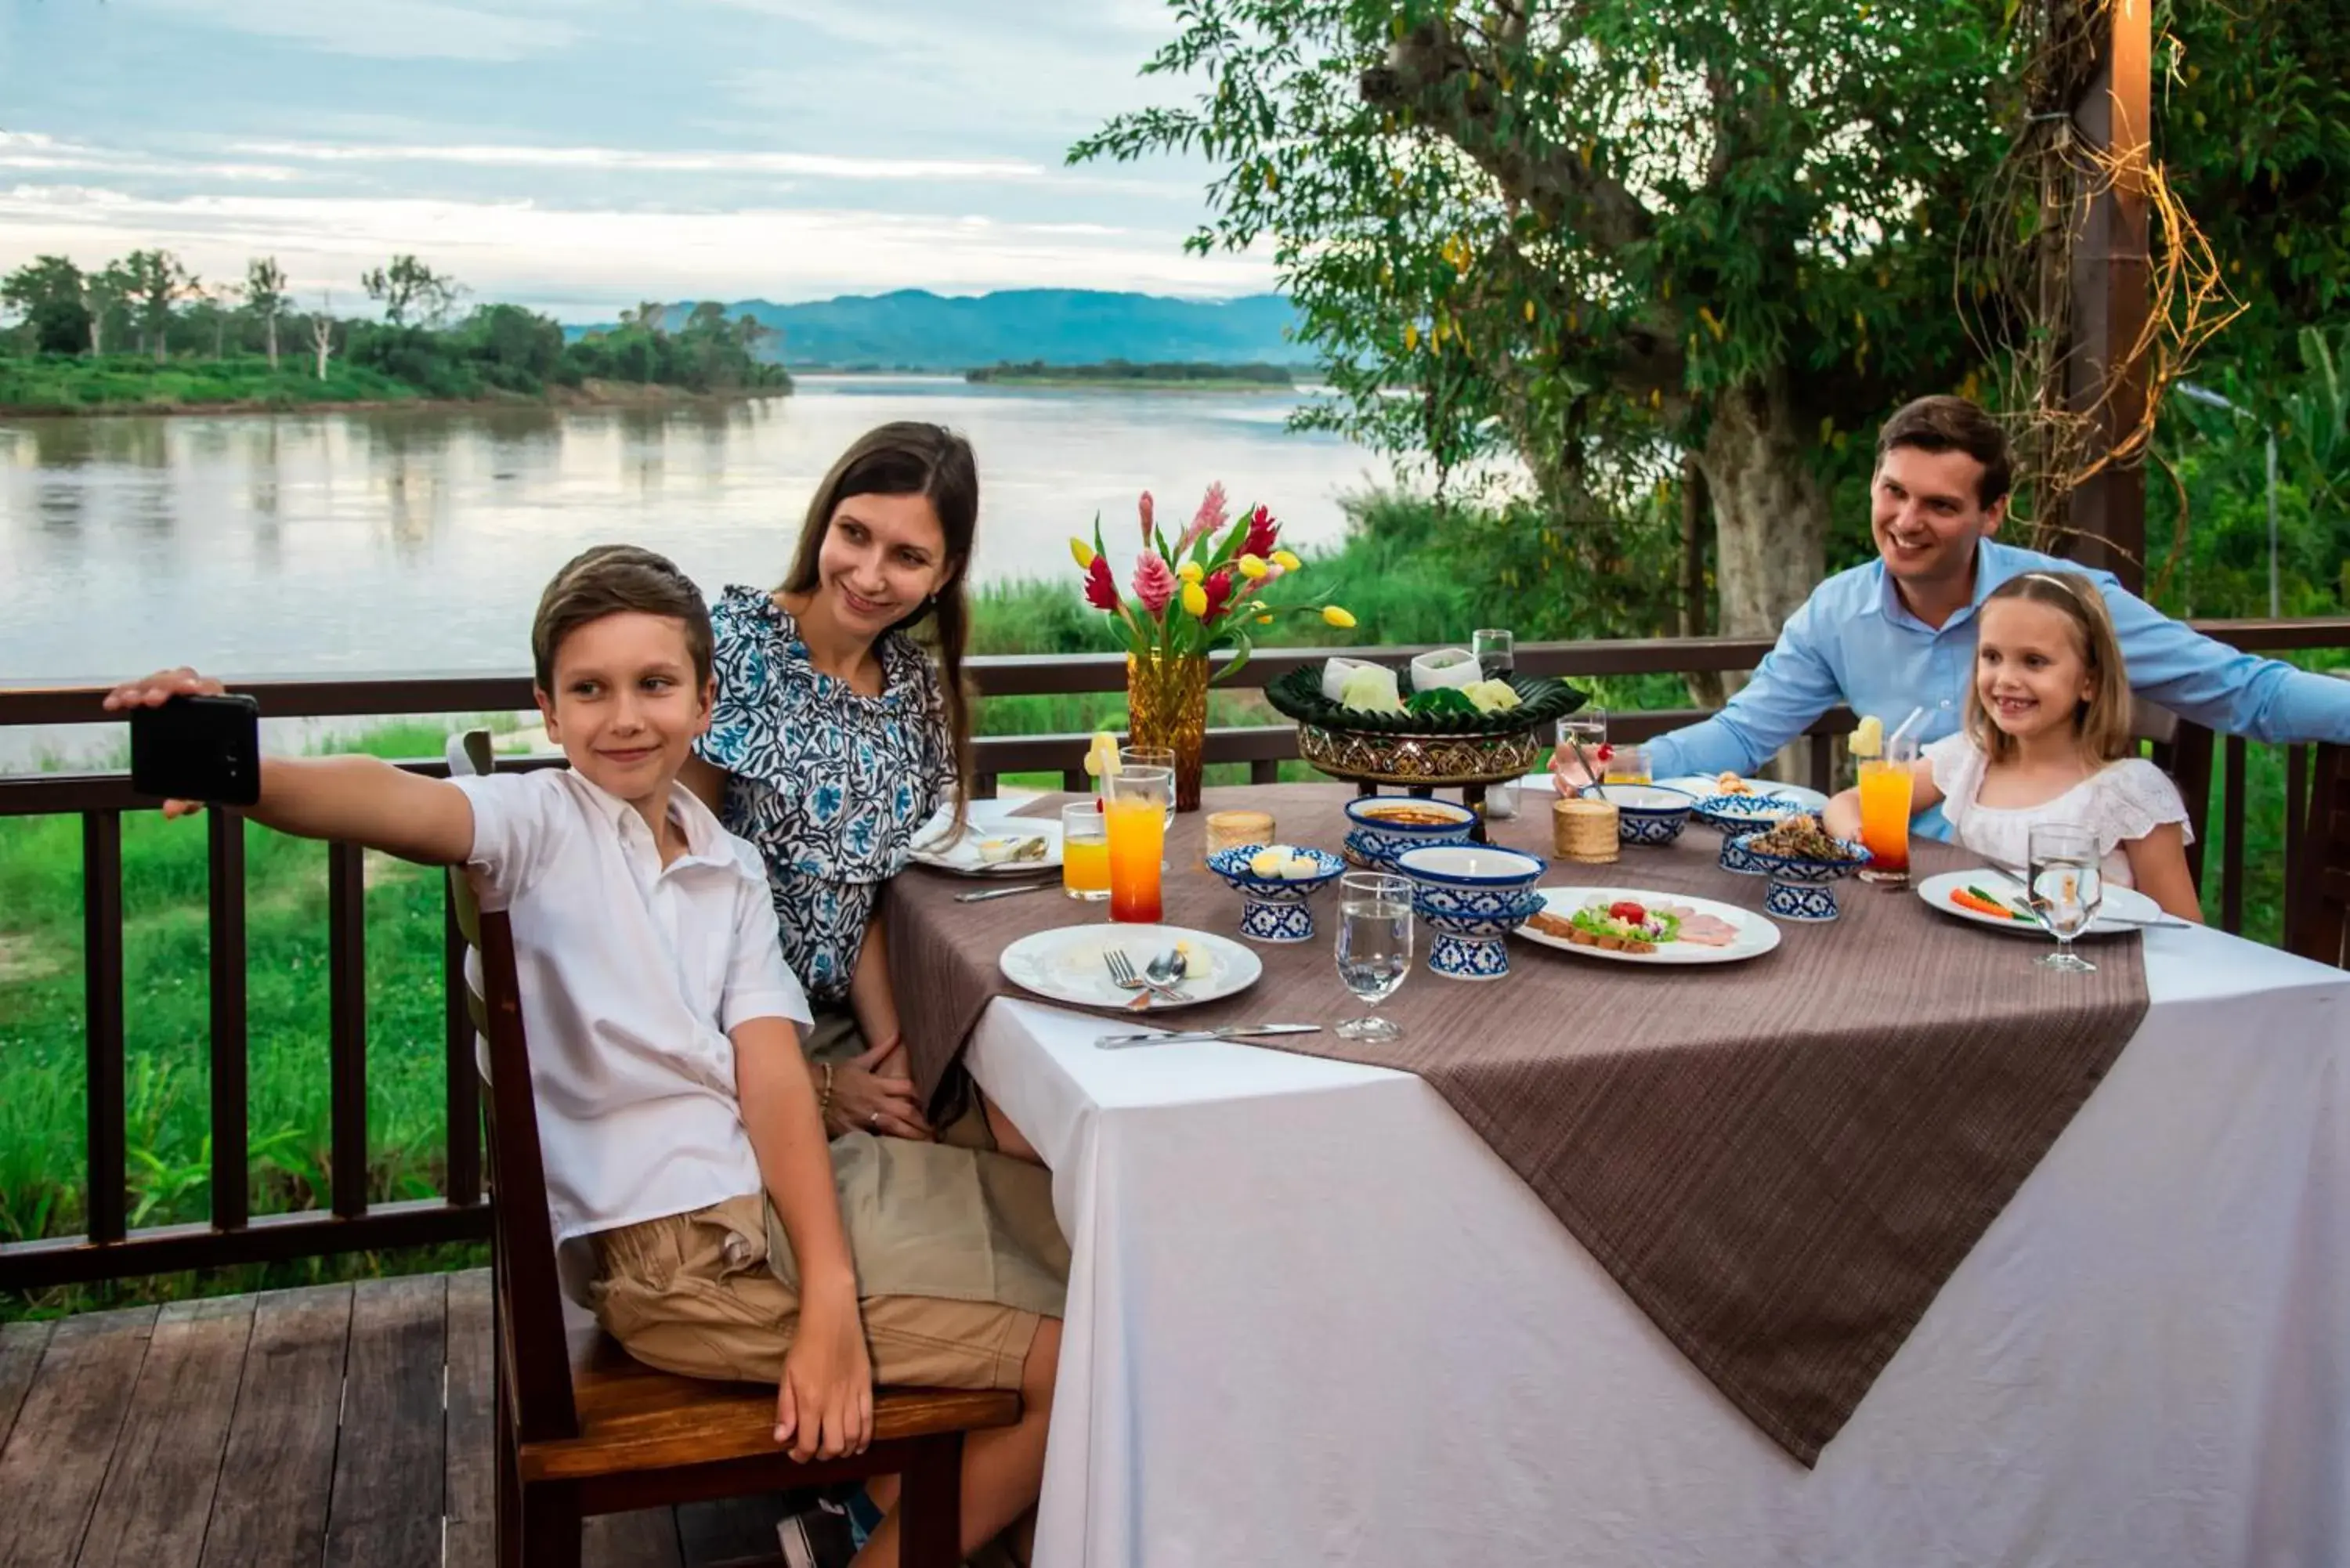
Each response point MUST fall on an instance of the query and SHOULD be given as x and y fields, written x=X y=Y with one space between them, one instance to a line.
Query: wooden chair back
x=2317 y=919
x=534 y=1359
x=2184 y=750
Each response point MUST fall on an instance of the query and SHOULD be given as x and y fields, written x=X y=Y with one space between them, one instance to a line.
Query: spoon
x=1167 y=969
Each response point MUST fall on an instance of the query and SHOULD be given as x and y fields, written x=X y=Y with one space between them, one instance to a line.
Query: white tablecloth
x=1313 y=1319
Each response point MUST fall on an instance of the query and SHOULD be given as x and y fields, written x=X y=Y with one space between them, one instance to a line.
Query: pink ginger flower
x=1210 y=517
x=1154 y=581
x=1148 y=510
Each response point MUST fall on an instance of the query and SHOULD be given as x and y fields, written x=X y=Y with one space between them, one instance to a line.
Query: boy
x=687 y=1169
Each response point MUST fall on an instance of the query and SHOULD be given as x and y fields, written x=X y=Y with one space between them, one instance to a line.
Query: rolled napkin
x=1453 y=667
x=1334 y=676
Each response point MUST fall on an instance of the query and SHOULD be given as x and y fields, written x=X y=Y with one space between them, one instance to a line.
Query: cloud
x=389 y=29
x=615 y=158
x=584 y=263
x=33 y=151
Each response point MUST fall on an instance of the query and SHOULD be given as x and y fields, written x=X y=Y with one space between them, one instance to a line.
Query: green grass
x=1407 y=578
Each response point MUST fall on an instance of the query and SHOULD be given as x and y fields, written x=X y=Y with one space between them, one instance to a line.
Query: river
x=415 y=542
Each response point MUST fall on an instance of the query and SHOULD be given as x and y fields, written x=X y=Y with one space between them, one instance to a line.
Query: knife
x=1001 y=892
x=1229 y=1031
x=2104 y=918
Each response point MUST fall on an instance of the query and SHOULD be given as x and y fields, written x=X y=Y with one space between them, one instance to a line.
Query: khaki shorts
x=694 y=1294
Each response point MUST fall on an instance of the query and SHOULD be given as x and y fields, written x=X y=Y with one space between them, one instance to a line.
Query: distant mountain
x=913 y=329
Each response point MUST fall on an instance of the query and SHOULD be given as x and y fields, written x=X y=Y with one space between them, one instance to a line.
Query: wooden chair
x=583 y=1429
x=2184 y=750
x=2317 y=908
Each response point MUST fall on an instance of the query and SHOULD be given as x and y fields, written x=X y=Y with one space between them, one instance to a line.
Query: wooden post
x=2111 y=284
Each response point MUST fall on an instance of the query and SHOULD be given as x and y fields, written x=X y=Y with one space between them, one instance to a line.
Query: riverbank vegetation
x=145 y=334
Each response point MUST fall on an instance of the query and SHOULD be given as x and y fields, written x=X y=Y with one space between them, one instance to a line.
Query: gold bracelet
x=823 y=1099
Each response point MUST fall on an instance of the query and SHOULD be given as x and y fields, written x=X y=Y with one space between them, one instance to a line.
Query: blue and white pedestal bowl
x=1800 y=889
x=1375 y=843
x=1274 y=909
x=1646 y=814
x=1472 y=896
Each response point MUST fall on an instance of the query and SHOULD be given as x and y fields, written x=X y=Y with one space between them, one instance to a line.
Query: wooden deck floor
x=343 y=1426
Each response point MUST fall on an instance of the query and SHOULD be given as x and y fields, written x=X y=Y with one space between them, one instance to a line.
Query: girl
x=2047 y=739
x=836 y=736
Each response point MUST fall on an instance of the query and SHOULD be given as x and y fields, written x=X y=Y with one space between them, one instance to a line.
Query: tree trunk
x=162 y=343
x=1697 y=512
x=271 y=326
x=1771 y=513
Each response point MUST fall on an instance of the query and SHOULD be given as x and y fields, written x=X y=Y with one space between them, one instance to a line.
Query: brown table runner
x=1779 y=1160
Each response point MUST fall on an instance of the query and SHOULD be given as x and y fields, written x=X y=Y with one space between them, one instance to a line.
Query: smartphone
x=198 y=748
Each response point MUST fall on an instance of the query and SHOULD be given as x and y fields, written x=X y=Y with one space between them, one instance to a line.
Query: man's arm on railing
x=362 y=800
x=1790 y=690
x=2220 y=687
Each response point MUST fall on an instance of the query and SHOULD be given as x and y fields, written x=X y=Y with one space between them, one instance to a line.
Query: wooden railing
x=109 y=1248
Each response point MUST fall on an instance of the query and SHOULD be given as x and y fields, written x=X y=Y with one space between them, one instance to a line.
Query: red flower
x=1101 y=589
x=1262 y=529
x=1218 y=587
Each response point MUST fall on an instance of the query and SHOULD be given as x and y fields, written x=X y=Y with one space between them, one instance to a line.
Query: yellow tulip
x=1083 y=552
x=1337 y=617
x=1258 y=605
x=1264 y=620
x=1286 y=561
x=1195 y=601
x=1192 y=572
x=1253 y=567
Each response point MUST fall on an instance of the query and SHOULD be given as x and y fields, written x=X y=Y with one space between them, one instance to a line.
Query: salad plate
x=1646 y=927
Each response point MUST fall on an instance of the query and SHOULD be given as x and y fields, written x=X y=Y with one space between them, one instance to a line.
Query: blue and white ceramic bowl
x=1472 y=896
x=1376 y=841
x=1274 y=909
x=1801 y=888
x=1646 y=814
x=1734 y=815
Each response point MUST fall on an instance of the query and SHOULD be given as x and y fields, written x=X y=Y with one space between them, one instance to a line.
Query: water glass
x=1580 y=735
x=2064 y=880
x=1135 y=802
x=1374 y=947
x=1084 y=851
x=1497 y=660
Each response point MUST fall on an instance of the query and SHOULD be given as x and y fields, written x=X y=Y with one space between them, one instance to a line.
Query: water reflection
x=418 y=540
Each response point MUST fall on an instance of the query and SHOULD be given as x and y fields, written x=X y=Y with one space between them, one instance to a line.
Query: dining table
x=1325 y=1307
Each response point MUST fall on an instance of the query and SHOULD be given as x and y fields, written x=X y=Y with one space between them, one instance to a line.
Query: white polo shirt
x=631 y=974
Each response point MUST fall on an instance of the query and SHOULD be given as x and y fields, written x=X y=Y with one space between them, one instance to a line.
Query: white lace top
x=2122 y=802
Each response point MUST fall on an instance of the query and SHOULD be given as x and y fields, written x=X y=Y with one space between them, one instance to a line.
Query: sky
x=580 y=156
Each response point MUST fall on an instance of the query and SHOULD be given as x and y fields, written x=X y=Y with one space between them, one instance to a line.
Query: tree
x=155 y=281
x=106 y=294
x=47 y=293
x=265 y=297
x=218 y=303
x=647 y=316
x=410 y=291
x=1594 y=232
x=322 y=330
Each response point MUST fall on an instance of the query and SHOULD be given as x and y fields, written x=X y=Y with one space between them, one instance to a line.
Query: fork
x=1123 y=976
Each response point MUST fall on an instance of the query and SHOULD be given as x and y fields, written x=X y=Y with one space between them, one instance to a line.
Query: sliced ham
x=1707 y=932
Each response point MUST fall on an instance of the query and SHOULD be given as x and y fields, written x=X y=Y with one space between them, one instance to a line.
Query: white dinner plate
x=2127 y=903
x=1069 y=964
x=962 y=856
x=1756 y=935
x=1704 y=784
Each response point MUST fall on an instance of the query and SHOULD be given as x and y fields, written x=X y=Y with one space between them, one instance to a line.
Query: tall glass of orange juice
x=1134 y=801
x=1084 y=851
x=1885 y=801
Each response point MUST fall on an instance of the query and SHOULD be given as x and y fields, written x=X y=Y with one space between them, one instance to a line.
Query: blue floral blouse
x=832 y=786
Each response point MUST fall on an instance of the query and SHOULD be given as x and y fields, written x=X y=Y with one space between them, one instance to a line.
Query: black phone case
x=198 y=748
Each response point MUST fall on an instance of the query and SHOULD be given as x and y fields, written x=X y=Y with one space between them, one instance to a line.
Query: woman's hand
x=868 y=1097
x=1568 y=776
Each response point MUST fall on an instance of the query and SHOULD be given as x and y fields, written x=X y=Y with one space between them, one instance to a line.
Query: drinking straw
x=1915 y=714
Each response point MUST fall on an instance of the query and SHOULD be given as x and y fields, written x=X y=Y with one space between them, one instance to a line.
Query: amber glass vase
x=1167 y=705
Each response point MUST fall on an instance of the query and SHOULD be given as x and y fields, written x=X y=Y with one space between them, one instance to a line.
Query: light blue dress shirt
x=1854 y=642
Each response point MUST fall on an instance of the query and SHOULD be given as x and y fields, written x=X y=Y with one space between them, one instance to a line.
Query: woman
x=835 y=738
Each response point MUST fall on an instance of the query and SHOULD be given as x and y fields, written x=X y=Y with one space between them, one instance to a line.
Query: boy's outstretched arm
x=364 y=799
x=824 y=1407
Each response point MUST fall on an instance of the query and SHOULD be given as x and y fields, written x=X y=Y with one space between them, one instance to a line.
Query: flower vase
x=1167 y=705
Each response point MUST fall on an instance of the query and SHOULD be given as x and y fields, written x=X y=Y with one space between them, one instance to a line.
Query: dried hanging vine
x=2016 y=264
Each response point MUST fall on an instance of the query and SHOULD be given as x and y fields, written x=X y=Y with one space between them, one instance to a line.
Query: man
x=1899 y=632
